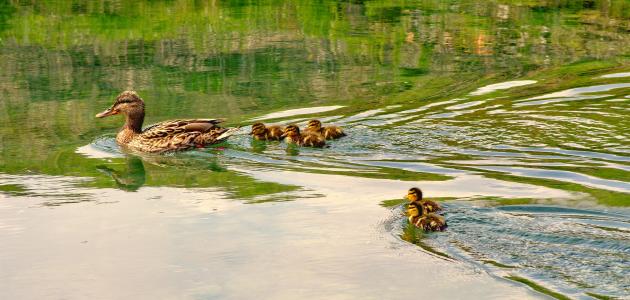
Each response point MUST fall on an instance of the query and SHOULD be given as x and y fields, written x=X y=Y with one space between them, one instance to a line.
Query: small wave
x=103 y=147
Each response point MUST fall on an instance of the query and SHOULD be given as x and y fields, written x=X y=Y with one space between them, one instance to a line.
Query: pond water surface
x=515 y=114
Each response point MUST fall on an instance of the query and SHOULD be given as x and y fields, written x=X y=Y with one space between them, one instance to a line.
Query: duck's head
x=291 y=130
x=414 y=194
x=314 y=125
x=258 y=129
x=414 y=210
x=127 y=103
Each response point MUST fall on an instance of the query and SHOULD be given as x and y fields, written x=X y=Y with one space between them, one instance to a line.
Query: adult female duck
x=167 y=136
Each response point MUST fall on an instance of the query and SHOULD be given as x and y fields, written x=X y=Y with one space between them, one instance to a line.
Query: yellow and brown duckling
x=167 y=136
x=419 y=217
x=266 y=133
x=328 y=132
x=415 y=195
x=292 y=135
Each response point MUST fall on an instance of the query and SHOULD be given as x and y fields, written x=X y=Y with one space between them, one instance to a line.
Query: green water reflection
x=235 y=60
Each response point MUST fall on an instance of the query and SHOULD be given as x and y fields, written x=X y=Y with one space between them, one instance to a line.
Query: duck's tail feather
x=229 y=132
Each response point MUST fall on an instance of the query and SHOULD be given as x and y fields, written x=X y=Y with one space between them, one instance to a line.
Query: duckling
x=425 y=220
x=415 y=195
x=292 y=135
x=329 y=132
x=266 y=133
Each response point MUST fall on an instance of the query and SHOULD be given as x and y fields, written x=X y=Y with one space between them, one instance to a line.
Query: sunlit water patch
x=295 y=112
x=501 y=86
x=616 y=75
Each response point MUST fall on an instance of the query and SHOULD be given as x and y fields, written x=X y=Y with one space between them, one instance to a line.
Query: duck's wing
x=173 y=127
x=176 y=135
x=431 y=206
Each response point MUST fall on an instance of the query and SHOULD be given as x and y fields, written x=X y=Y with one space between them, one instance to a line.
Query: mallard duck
x=415 y=195
x=292 y=135
x=425 y=220
x=328 y=132
x=167 y=136
x=266 y=133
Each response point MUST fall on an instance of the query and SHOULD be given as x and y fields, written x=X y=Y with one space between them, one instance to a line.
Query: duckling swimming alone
x=292 y=135
x=329 y=132
x=167 y=136
x=425 y=220
x=415 y=195
x=266 y=133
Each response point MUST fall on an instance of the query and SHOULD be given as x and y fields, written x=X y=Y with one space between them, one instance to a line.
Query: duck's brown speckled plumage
x=266 y=133
x=167 y=136
x=292 y=135
x=328 y=132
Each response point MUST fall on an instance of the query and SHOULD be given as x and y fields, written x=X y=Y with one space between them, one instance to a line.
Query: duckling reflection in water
x=414 y=195
x=425 y=220
x=266 y=133
x=292 y=135
x=328 y=132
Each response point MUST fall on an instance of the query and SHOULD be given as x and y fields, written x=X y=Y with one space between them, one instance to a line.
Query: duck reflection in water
x=131 y=178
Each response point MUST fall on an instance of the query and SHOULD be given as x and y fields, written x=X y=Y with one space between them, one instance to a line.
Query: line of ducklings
x=314 y=135
x=423 y=213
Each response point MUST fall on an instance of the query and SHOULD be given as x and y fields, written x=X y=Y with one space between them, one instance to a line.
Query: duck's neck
x=132 y=127
x=133 y=121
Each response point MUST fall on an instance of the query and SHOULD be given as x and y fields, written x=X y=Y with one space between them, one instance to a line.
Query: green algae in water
x=538 y=287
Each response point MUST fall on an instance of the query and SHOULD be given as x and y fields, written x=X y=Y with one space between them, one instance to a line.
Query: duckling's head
x=414 y=194
x=414 y=210
x=258 y=129
x=314 y=125
x=127 y=103
x=291 y=130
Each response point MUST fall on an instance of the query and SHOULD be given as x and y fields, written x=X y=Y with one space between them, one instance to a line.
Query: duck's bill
x=108 y=112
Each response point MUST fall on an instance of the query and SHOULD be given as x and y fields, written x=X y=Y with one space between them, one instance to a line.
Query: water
x=515 y=116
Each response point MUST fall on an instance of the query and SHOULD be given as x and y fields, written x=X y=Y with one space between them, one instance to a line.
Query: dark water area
x=515 y=114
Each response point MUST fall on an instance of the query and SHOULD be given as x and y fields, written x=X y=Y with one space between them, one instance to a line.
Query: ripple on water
x=299 y=111
x=501 y=86
x=579 y=92
x=575 y=250
x=616 y=75
x=102 y=147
